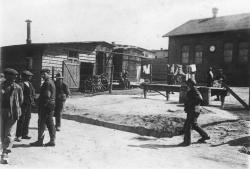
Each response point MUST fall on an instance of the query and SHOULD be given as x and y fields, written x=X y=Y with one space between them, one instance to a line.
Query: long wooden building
x=75 y=60
x=218 y=42
x=131 y=59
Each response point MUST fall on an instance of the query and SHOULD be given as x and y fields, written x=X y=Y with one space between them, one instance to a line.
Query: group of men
x=17 y=99
x=123 y=80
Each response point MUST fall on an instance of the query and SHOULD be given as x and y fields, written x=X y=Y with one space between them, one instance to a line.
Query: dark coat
x=193 y=99
x=62 y=91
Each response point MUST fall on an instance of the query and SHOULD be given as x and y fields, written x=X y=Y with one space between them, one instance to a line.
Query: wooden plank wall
x=132 y=64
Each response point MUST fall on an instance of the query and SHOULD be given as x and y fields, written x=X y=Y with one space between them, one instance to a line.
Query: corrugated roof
x=209 y=25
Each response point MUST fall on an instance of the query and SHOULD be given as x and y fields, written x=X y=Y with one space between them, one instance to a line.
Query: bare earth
x=81 y=145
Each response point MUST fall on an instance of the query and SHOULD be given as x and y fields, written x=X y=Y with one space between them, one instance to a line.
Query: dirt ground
x=81 y=145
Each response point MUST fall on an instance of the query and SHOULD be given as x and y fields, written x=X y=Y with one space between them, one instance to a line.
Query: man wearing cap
x=62 y=93
x=29 y=97
x=46 y=110
x=192 y=108
x=11 y=101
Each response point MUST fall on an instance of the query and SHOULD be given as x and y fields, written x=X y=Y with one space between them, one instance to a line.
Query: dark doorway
x=100 y=63
x=117 y=61
x=86 y=71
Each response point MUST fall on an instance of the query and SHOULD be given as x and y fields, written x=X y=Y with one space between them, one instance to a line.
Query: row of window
x=228 y=53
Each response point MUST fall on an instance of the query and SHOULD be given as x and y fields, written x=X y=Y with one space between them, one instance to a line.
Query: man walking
x=192 y=108
x=46 y=110
x=11 y=101
x=29 y=97
x=62 y=93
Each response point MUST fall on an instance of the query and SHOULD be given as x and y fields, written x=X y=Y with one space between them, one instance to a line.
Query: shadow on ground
x=141 y=130
x=243 y=141
x=155 y=146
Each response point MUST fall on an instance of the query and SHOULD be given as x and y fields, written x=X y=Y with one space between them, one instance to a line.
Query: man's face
x=44 y=75
x=60 y=80
x=26 y=78
x=10 y=77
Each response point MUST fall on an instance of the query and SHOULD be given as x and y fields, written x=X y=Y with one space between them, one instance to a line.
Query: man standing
x=11 y=101
x=210 y=77
x=46 y=110
x=62 y=93
x=29 y=97
x=192 y=108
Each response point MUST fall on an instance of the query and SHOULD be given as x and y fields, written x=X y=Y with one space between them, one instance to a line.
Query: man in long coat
x=29 y=97
x=11 y=101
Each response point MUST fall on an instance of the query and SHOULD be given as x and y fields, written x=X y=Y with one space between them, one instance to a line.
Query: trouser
x=24 y=121
x=191 y=123
x=8 y=129
x=58 y=112
x=46 y=119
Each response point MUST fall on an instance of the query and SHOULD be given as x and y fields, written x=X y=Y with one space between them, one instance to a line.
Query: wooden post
x=111 y=79
x=249 y=98
x=53 y=72
x=150 y=72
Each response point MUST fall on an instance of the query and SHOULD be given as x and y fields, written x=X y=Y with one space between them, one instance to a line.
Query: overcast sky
x=131 y=22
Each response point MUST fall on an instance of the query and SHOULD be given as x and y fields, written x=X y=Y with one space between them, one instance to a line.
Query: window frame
x=198 y=54
x=243 y=46
x=185 y=53
x=228 y=52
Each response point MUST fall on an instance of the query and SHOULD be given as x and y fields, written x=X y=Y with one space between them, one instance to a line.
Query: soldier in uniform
x=29 y=97
x=11 y=101
x=192 y=108
x=46 y=110
x=62 y=93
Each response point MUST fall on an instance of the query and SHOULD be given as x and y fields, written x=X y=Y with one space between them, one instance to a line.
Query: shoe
x=18 y=139
x=4 y=159
x=26 y=137
x=184 y=144
x=37 y=144
x=50 y=144
x=58 y=128
x=203 y=139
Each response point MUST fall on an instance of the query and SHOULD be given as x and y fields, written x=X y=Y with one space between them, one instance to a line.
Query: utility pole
x=111 y=79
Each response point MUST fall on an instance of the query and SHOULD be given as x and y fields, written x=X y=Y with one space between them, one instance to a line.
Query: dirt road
x=81 y=145
x=86 y=146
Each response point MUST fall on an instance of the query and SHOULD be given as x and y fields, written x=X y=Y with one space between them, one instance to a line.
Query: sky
x=129 y=22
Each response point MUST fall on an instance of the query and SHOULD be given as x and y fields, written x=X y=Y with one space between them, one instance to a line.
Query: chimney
x=215 y=11
x=28 y=40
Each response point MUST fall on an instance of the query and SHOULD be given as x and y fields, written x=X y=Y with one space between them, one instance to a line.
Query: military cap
x=27 y=73
x=191 y=81
x=59 y=76
x=45 y=71
x=10 y=71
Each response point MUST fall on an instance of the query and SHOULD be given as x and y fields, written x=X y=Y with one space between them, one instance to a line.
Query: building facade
x=75 y=60
x=218 y=42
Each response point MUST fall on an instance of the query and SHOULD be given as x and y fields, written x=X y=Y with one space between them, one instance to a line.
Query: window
x=228 y=52
x=198 y=54
x=185 y=54
x=28 y=63
x=73 y=54
x=243 y=52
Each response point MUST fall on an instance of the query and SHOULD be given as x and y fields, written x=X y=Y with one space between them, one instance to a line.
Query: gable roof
x=210 y=25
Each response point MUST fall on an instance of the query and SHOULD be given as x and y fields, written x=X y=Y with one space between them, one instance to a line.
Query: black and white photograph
x=125 y=84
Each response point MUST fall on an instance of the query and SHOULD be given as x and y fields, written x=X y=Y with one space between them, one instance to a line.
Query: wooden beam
x=235 y=96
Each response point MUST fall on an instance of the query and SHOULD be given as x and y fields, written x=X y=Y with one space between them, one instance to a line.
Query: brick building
x=220 y=42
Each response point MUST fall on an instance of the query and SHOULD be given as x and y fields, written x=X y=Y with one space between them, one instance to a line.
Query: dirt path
x=86 y=146
x=81 y=145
